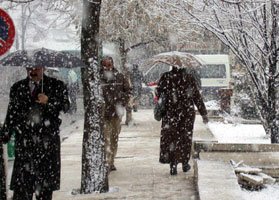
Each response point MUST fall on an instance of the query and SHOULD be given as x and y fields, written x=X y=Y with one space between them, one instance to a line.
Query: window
x=213 y=71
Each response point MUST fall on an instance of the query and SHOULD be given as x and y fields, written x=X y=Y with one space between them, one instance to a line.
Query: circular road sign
x=7 y=32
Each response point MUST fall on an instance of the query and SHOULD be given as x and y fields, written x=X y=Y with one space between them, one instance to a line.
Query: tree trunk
x=94 y=176
x=273 y=124
x=273 y=72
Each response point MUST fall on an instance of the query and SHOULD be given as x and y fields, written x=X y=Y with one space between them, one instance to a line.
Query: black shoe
x=135 y=109
x=173 y=169
x=186 y=167
x=112 y=168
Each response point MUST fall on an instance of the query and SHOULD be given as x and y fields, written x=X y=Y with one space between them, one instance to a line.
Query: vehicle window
x=213 y=71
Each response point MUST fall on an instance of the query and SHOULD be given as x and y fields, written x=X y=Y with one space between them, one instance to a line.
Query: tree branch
x=19 y=1
x=140 y=44
x=232 y=1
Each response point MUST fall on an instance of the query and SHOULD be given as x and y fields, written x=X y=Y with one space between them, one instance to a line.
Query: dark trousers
x=3 y=194
x=27 y=195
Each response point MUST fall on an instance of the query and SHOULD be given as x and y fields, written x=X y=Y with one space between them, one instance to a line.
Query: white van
x=215 y=74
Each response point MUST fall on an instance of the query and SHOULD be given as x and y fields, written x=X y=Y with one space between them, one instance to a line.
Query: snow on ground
x=224 y=133
x=238 y=133
x=233 y=133
x=212 y=105
x=245 y=133
x=269 y=193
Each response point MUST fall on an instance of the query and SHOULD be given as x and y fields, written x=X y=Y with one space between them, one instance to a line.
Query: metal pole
x=3 y=173
x=43 y=81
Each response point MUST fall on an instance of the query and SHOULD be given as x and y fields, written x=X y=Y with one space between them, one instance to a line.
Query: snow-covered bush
x=244 y=105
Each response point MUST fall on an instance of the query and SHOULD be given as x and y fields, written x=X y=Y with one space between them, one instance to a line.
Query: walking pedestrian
x=33 y=116
x=73 y=88
x=136 y=80
x=181 y=92
x=116 y=91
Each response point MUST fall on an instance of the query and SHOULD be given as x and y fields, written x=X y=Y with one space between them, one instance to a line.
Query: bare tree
x=250 y=30
x=34 y=19
x=94 y=171
x=130 y=24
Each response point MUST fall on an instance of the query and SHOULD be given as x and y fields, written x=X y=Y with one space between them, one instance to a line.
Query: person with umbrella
x=180 y=91
x=33 y=116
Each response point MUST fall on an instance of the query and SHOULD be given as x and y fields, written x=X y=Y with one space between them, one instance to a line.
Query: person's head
x=107 y=63
x=135 y=67
x=35 y=74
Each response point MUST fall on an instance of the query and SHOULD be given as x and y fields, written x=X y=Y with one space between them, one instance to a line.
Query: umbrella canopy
x=53 y=69
x=176 y=58
x=41 y=58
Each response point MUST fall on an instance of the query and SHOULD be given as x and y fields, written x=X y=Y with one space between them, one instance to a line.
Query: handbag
x=160 y=108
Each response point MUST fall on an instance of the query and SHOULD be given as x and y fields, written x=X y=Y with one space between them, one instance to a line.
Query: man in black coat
x=33 y=117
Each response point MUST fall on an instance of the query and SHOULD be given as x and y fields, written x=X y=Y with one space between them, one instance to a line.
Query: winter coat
x=116 y=91
x=36 y=130
x=137 y=79
x=182 y=93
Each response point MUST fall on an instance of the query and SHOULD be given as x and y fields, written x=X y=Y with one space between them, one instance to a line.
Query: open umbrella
x=41 y=57
x=176 y=58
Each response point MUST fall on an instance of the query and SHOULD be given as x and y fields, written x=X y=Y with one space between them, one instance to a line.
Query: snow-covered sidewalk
x=139 y=174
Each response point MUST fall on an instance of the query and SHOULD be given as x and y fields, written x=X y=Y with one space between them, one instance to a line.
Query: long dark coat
x=137 y=79
x=182 y=93
x=116 y=90
x=36 y=129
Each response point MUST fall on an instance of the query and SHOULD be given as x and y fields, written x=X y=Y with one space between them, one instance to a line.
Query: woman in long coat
x=182 y=94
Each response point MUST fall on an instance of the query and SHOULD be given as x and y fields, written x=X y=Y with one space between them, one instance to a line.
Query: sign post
x=7 y=35
x=7 y=32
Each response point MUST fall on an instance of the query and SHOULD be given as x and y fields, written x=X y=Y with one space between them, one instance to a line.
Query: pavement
x=139 y=174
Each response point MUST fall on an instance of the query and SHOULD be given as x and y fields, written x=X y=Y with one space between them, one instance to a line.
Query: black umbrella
x=41 y=58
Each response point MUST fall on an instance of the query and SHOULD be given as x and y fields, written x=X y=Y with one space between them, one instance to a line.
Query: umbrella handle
x=43 y=81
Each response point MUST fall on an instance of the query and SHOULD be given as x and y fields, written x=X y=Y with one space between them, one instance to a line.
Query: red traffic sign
x=7 y=32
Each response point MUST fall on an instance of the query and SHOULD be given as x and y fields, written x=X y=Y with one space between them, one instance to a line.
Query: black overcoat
x=182 y=94
x=36 y=129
